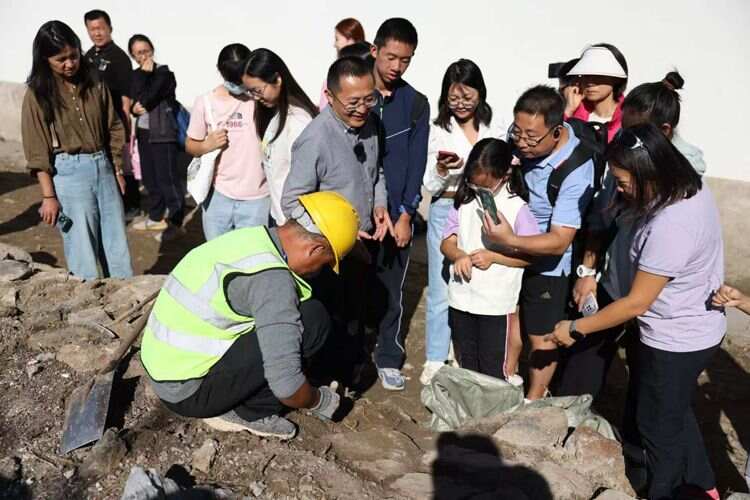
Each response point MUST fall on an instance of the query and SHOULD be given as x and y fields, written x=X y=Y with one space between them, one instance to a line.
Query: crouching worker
x=234 y=319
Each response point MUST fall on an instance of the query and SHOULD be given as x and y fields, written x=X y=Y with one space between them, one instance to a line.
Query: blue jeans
x=222 y=214
x=96 y=244
x=438 y=333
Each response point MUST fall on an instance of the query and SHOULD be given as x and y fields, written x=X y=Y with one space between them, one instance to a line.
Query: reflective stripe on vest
x=193 y=343
x=199 y=303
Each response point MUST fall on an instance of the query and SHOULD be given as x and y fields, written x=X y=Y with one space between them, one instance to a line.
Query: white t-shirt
x=277 y=155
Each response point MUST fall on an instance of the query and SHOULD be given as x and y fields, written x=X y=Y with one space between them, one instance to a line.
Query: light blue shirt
x=572 y=200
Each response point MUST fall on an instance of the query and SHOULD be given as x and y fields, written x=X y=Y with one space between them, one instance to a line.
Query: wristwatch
x=575 y=334
x=585 y=271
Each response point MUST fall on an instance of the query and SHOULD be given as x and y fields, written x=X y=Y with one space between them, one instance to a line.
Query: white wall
x=708 y=41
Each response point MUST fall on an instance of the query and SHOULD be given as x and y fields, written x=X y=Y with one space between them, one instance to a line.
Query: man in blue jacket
x=404 y=114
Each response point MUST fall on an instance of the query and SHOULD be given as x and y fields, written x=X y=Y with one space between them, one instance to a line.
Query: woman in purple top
x=678 y=254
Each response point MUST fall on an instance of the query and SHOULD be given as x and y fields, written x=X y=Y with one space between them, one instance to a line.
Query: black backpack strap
x=580 y=155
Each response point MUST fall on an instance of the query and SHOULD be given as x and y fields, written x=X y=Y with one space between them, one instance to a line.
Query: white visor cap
x=598 y=61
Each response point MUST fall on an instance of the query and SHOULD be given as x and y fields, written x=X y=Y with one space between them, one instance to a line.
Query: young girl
x=239 y=197
x=597 y=96
x=152 y=92
x=678 y=254
x=464 y=117
x=73 y=142
x=485 y=279
x=284 y=112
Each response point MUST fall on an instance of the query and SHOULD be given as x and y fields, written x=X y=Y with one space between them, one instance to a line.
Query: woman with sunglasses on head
x=597 y=93
x=464 y=118
x=152 y=92
x=239 y=195
x=283 y=112
x=485 y=282
x=677 y=251
x=73 y=141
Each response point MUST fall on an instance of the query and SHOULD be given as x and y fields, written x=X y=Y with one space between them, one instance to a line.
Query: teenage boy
x=115 y=70
x=545 y=142
x=404 y=114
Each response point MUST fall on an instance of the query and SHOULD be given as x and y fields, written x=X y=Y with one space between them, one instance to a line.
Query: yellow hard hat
x=337 y=220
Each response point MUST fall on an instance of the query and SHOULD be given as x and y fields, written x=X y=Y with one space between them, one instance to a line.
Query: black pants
x=237 y=382
x=584 y=366
x=479 y=341
x=161 y=178
x=674 y=446
x=132 y=197
x=386 y=299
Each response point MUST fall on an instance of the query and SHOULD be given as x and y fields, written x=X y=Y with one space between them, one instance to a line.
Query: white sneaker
x=429 y=371
x=391 y=379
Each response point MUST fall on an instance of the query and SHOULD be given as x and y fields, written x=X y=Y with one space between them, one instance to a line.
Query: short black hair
x=95 y=14
x=346 y=66
x=542 y=100
x=231 y=62
x=396 y=28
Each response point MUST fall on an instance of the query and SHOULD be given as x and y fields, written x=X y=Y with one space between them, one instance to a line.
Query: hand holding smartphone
x=447 y=157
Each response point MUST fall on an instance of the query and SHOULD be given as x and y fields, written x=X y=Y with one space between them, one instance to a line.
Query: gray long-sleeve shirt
x=327 y=156
x=271 y=298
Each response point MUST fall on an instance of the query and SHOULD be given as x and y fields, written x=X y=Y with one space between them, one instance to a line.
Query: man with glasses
x=340 y=151
x=404 y=114
x=544 y=142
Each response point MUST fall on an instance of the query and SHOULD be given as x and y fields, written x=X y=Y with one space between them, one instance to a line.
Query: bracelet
x=53 y=197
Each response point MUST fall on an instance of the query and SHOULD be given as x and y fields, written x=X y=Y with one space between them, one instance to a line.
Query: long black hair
x=496 y=157
x=660 y=175
x=464 y=72
x=658 y=101
x=50 y=40
x=231 y=62
x=267 y=66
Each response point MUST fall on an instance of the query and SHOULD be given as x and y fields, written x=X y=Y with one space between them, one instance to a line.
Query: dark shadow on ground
x=10 y=181
x=469 y=466
x=26 y=219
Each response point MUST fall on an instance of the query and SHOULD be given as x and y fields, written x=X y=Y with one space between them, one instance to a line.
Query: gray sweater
x=271 y=298
x=327 y=156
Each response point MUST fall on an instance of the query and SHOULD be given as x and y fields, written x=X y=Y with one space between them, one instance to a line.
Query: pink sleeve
x=451 y=224
x=197 y=129
x=525 y=224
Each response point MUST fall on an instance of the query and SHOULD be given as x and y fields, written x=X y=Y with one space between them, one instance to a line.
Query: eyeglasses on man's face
x=352 y=105
x=515 y=135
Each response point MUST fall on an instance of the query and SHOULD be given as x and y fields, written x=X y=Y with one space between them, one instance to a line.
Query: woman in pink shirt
x=223 y=119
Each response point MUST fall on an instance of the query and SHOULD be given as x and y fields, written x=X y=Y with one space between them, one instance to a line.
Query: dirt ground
x=317 y=464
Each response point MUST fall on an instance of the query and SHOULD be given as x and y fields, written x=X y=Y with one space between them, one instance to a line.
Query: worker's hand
x=582 y=289
x=462 y=267
x=327 y=405
x=482 y=258
x=216 y=139
x=402 y=230
x=383 y=224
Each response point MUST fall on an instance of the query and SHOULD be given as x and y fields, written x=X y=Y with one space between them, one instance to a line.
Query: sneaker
x=391 y=379
x=147 y=224
x=273 y=426
x=429 y=371
x=515 y=380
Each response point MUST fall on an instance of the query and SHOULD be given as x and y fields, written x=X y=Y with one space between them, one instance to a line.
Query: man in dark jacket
x=404 y=114
x=114 y=68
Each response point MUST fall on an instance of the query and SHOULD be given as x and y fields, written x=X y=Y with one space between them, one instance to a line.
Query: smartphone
x=447 y=156
x=487 y=201
x=590 y=305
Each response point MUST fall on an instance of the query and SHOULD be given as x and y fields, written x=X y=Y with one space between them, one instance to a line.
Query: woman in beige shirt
x=73 y=139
